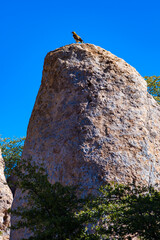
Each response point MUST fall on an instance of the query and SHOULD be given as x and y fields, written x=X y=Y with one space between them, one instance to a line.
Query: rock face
x=93 y=121
x=6 y=199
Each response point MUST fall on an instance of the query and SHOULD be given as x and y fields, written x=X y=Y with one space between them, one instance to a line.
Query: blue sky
x=129 y=29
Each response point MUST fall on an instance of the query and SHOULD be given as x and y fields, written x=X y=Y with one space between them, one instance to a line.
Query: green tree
x=11 y=151
x=51 y=210
x=54 y=211
x=153 y=84
x=124 y=211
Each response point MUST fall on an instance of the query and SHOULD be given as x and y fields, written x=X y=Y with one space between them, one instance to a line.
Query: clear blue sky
x=129 y=29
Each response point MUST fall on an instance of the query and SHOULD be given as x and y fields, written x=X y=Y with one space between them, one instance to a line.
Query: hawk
x=77 y=38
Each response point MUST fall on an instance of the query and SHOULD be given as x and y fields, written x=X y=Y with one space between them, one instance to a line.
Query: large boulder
x=93 y=121
x=6 y=199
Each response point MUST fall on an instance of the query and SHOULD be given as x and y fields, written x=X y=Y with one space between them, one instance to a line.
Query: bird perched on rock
x=77 y=38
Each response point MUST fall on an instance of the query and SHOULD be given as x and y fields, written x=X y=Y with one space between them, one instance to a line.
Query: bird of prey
x=77 y=38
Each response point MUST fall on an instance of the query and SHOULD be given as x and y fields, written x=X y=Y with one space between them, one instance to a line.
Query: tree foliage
x=56 y=212
x=51 y=209
x=122 y=212
x=11 y=151
x=153 y=83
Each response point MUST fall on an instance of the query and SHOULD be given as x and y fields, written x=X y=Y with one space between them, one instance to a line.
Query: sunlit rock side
x=93 y=121
x=6 y=199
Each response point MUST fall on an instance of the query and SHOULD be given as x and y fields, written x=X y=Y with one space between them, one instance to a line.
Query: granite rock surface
x=93 y=121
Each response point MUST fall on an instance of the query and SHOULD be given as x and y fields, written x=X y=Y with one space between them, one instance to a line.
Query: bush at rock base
x=53 y=211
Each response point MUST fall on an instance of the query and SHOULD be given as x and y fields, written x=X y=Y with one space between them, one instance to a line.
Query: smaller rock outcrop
x=6 y=199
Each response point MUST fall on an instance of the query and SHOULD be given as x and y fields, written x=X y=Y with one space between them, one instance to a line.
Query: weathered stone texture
x=6 y=199
x=93 y=121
